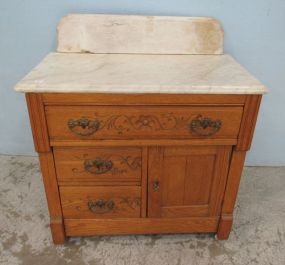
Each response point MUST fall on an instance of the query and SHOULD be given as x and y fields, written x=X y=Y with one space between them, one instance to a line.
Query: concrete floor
x=258 y=235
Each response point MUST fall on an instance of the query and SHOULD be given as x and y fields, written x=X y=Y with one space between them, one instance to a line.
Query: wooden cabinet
x=125 y=164
x=126 y=143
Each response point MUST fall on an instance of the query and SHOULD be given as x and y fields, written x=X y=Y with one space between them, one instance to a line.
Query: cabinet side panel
x=41 y=142
x=248 y=122
x=52 y=195
x=38 y=122
x=232 y=186
x=221 y=173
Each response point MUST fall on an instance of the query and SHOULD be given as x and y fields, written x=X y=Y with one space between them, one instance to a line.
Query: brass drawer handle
x=101 y=206
x=83 y=126
x=205 y=126
x=98 y=166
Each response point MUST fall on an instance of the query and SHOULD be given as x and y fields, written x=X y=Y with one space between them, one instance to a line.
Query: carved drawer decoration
x=100 y=202
x=80 y=122
x=98 y=164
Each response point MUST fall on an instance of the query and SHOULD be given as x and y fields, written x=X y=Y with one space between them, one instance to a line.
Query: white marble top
x=138 y=73
x=105 y=33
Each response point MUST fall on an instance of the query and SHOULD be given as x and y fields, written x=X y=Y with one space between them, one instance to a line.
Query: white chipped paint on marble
x=97 y=33
x=134 y=73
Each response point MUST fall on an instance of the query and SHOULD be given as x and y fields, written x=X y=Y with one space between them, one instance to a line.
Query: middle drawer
x=98 y=165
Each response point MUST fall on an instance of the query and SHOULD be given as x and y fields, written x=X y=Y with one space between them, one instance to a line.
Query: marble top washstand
x=112 y=54
x=142 y=125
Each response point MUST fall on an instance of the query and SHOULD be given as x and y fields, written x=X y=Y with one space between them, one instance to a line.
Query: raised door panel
x=187 y=181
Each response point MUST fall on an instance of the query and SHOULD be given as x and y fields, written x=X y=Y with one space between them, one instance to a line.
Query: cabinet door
x=187 y=181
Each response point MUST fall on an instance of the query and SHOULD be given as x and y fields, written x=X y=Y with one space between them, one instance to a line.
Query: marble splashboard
x=102 y=33
x=137 y=73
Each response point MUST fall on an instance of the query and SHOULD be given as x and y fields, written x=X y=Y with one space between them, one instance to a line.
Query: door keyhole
x=155 y=185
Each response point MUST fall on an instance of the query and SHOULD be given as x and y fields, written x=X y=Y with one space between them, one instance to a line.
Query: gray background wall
x=254 y=35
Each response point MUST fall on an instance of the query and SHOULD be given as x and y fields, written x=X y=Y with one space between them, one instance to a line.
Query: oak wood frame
x=85 y=227
x=222 y=225
x=42 y=146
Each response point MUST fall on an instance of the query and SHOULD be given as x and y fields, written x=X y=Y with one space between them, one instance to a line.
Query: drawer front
x=100 y=202
x=116 y=164
x=141 y=122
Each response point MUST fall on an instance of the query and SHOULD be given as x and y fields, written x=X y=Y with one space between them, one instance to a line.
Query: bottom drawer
x=100 y=202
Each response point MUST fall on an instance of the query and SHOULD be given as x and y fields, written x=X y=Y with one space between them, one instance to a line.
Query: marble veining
x=140 y=73
x=105 y=33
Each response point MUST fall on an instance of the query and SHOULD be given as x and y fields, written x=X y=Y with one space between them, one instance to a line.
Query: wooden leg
x=225 y=226
x=57 y=231
x=235 y=171
x=41 y=141
x=53 y=199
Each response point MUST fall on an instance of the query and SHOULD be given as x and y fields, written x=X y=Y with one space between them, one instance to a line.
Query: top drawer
x=142 y=122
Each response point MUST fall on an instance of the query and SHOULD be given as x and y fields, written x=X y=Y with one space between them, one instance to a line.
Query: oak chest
x=137 y=143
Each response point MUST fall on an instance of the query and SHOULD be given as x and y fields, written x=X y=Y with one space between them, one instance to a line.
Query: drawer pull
x=205 y=126
x=83 y=126
x=98 y=166
x=101 y=206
